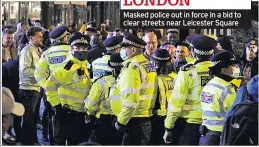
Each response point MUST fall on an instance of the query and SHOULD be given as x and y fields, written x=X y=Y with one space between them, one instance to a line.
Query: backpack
x=241 y=127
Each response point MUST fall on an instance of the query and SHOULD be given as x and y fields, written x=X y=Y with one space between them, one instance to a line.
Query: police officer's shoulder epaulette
x=97 y=79
x=68 y=65
x=127 y=65
x=186 y=67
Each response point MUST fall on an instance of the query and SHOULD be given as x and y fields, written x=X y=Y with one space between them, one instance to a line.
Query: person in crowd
x=249 y=61
x=117 y=32
x=173 y=36
x=170 y=48
x=140 y=33
x=12 y=68
x=21 y=29
x=223 y=43
x=9 y=107
x=29 y=90
x=90 y=29
x=50 y=61
x=184 y=114
x=97 y=49
x=217 y=96
x=100 y=66
x=137 y=100
x=182 y=52
x=9 y=52
x=83 y=27
x=66 y=90
x=241 y=121
x=165 y=87
x=103 y=31
x=23 y=41
x=151 y=45
x=97 y=104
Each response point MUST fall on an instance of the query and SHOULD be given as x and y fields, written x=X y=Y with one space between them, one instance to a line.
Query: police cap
x=252 y=42
x=132 y=40
x=223 y=59
x=59 y=33
x=161 y=55
x=112 y=43
x=189 y=38
x=203 y=45
x=79 y=40
x=115 y=60
x=91 y=26
x=172 y=31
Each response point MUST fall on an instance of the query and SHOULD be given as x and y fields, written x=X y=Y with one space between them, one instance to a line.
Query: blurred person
x=223 y=43
x=83 y=27
x=170 y=48
x=172 y=36
x=90 y=29
x=29 y=89
x=117 y=32
x=97 y=49
x=9 y=52
x=249 y=60
x=103 y=31
x=140 y=33
x=21 y=28
x=241 y=121
x=151 y=45
x=9 y=107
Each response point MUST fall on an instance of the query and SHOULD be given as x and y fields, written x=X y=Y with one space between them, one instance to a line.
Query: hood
x=252 y=88
x=19 y=27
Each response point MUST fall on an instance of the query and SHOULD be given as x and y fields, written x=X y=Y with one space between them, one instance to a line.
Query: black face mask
x=80 y=55
x=179 y=62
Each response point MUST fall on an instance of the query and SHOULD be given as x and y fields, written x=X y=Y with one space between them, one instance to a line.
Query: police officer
x=50 y=60
x=165 y=87
x=117 y=32
x=67 y=88
x=90 y=29
x=217 y=96
x=137 y=83
x=100 y=66
x=97 y=103
x=184 y=109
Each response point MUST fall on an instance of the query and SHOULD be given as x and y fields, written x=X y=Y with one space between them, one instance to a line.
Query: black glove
x=58 y=112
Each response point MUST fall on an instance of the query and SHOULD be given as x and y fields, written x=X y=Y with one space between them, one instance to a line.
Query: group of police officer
x=124 y=99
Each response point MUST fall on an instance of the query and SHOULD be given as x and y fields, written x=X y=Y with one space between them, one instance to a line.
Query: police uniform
x=165 y=87
x=51 y=60
x=100 y=66
x=216 y=99
x=53 y=57
x=66 y=89
x=184 y=109
x=97 y=103
x=137 y=83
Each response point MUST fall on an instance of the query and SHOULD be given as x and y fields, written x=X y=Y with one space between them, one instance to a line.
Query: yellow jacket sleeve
x=82 y=29
x=42 y=71
x=93 y=98
x=229 y=99
x=58 y=78
x=178 y=98
x=130 y=87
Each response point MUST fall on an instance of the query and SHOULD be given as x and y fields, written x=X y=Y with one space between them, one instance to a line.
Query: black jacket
x=12 y=67
x=253 y=64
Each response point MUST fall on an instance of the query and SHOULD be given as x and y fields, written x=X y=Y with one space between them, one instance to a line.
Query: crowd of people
x=126 y=87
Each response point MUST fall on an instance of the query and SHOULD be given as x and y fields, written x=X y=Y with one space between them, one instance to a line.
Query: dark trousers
x=104 y=132
x=158 y=130
x=29 y=99
x=185 y=133
x=17 y=120
x=137 y=132
x=72 y=128
x=210 y=138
